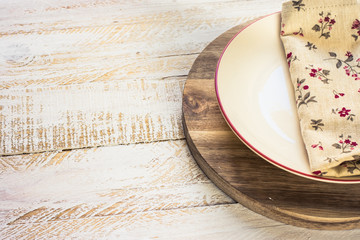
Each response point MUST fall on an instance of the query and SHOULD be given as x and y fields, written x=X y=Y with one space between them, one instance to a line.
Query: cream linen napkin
x=321 y=41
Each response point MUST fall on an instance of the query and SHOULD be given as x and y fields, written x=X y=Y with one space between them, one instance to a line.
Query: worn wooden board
x=133 y=190
x=128 y=48
x=248 y=178
x=89 y=115
x=137 y=191
x=40 y=192
x=228 y=221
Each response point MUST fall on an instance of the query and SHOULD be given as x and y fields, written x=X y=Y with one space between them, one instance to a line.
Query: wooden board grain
x=131 y=48
x=133 y=191
x=248 y=178
x=41 y=192
x=88 y=115
x=210 y=223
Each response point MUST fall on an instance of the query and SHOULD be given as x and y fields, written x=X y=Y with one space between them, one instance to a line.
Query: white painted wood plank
x=215 y=222
x=100 y=182
x=124 y=201
x=88 y=115
x=128 y=49
x=49 y=175
x=28 y=68
x=25 y=16
x=135 y=49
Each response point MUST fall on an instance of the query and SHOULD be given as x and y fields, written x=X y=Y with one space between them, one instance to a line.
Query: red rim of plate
x=248 y=143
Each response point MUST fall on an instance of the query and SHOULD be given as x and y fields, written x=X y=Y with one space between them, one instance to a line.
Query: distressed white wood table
x=91 y=139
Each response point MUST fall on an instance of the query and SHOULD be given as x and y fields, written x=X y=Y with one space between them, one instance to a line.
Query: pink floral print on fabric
x=325 y=75
x=324 y=25
x=349 y=67
x=319 y=73
x=356 y=26
x=303 y=94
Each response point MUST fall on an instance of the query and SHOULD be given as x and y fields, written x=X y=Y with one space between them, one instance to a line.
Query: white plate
x=256 y=97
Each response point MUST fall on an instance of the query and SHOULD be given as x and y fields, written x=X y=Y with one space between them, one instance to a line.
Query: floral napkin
x=322 y=46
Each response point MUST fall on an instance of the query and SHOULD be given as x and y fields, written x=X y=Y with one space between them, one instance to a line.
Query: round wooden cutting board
x=247 y=178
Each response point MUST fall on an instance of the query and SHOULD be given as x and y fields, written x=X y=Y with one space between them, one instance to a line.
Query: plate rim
x=247 y=143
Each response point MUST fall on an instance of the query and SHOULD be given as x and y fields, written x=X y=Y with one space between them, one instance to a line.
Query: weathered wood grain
x=146 y=191
x=128 y=47
x=104 y=181
x=100 y=182
x=87 y=115
x=213 y=222
x=116 y=51
x=28 y=16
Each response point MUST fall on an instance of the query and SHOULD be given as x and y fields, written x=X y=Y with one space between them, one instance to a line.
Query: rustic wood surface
x=91 y=137
x=245 y=176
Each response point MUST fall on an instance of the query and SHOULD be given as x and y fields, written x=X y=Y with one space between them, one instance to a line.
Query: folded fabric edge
x=343 y=168
x=297 y=6
x=348 y=165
